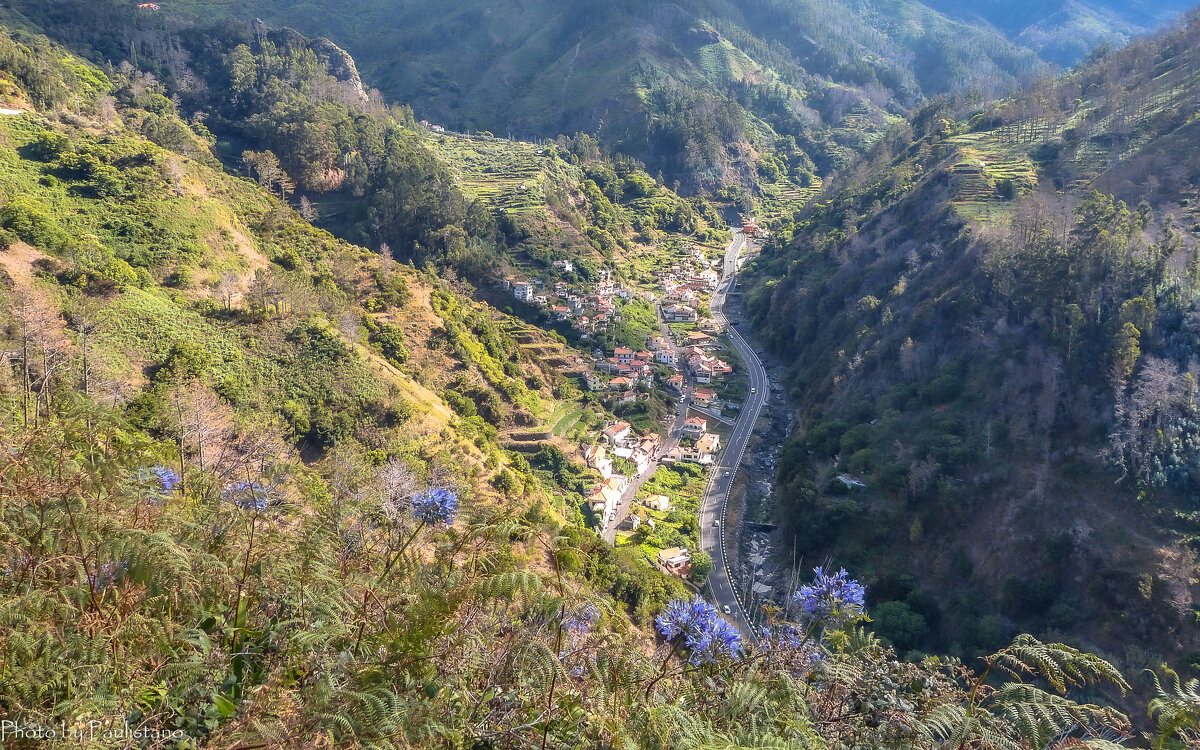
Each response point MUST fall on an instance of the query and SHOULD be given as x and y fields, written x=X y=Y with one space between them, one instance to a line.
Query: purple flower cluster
x=705 y=634
x=833 y=600
x=580 y=622
x=247 y=495
x=435 y=507
x=168 y=479
x=782 y=637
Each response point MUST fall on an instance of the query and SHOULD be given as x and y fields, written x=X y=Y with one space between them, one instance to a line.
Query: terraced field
x=564 y=425
x=987 y=165
x=509 y=175
x=985 y=161
x=784 y=198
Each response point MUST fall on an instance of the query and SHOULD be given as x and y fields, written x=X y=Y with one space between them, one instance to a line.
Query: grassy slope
x=211 y=224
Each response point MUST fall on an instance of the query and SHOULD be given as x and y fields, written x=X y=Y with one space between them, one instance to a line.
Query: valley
x=712 y=374
x=715 y=527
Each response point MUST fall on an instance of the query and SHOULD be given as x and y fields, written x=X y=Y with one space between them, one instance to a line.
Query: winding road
x=714 y=504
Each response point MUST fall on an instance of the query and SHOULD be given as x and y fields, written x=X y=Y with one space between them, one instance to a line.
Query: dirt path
x=19 y=260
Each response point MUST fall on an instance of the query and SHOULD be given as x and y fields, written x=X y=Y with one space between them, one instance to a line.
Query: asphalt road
x=716 y=496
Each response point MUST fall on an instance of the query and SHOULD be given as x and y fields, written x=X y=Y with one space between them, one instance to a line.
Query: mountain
x=695 y=89
x=1065 y=31
x=990 y=321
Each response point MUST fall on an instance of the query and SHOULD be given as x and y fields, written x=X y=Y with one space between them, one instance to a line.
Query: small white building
x=679 y=314
x=660 y=503
x=616 y=433
x=695 y=426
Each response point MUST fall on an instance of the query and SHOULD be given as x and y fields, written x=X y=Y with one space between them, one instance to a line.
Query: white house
x=616 y=433
x=523 y=290
x=660 y=503
x=679 y=314
x=709 y=444
x=675 y=561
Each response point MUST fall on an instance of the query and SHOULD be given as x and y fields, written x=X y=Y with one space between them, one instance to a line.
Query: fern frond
x=1060 y=665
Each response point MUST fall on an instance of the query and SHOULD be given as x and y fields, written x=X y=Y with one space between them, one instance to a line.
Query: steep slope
x=172 y=272
x=293 y=112
x=1002 y=355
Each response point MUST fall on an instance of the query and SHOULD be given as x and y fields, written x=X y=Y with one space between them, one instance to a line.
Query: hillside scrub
x=1013 y=372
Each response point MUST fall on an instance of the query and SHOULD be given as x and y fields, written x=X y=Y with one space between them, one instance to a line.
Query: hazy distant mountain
x=1063 y=31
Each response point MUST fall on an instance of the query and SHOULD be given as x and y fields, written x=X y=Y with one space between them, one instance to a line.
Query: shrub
x=899 y=624
x=461 y=405
x=29 y=219
x=48 y=145
x=390 y=341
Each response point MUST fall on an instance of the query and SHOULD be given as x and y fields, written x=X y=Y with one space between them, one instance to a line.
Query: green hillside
x=1000 y=347
x=688 y=88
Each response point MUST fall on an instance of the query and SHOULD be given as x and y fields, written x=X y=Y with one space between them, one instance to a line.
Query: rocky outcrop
x=338 y=63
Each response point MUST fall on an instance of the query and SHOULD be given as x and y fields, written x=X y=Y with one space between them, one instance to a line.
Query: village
x=685 y=361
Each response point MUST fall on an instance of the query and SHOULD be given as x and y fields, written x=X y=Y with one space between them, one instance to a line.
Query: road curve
x=716 y=496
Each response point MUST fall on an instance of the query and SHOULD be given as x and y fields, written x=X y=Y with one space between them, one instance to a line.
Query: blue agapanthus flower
x=781 y=637
x=580 y=622
x=833 y=599
x=158 y=482
x=436 y=507
x=706 y=635
x=247 y=495
x=168 y=479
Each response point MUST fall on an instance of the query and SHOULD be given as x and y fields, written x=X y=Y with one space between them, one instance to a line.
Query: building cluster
x=685 y=286
x=619 y=441
x=699 y=446
x=588 y=311
x=697 y=356
x=628 y=374
x=619 y=454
